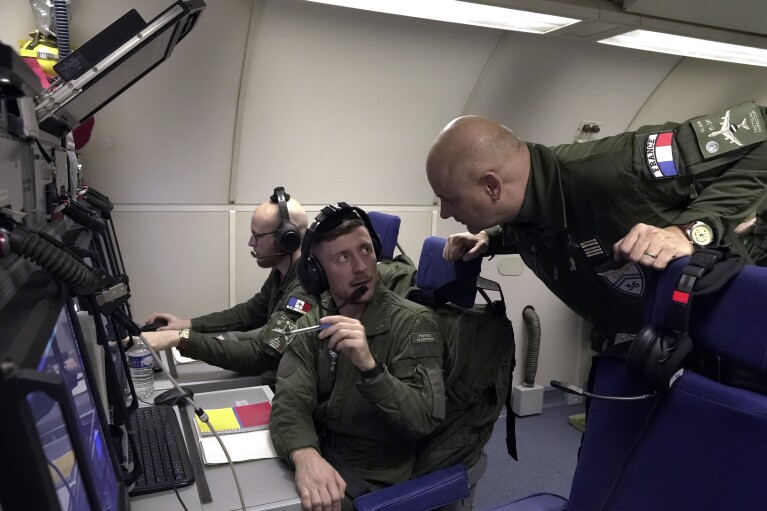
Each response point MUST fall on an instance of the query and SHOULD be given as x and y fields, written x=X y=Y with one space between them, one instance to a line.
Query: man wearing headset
x=353 y=397
x=277 y=228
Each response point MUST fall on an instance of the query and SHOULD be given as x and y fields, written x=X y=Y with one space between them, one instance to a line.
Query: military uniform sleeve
x=411 y=392
x=255 y=351
x=243 y=316
x=722 y=191
x=398 y=274
x=729 y=195
x=291 y=425
x=499 y=243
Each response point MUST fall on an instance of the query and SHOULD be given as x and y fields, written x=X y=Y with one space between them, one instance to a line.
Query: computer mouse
x=172 y=396
x=154 y=325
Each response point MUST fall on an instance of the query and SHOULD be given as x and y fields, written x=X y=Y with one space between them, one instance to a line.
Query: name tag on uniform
x=729 y=130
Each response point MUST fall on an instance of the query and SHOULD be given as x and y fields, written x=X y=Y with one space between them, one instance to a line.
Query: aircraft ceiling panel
x=742 y=15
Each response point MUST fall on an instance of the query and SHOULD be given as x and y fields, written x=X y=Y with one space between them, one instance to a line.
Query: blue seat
x=702 y=444
x=387 y=228
x=434 y=272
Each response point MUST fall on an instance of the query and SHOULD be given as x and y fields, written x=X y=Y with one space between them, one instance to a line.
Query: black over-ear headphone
x=656 y=355
x=287 y=235
x=309 y=270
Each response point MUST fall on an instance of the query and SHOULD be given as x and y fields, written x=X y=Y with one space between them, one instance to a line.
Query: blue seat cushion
x=434 y=271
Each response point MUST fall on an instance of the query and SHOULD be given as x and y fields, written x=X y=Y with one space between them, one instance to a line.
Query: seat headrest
x=434 y=271
x=387 y=228
x=729 y=323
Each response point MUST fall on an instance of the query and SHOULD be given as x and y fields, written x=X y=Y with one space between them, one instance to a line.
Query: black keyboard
x=161 y=450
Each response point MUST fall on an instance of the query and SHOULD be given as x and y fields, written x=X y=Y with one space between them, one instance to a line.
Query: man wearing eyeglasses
x=257 y=323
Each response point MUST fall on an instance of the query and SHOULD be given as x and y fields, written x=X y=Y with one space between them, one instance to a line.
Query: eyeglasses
x=262 y=234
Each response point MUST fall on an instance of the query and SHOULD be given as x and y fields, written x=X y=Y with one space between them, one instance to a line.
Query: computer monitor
x=55 y=439
x=113 y=60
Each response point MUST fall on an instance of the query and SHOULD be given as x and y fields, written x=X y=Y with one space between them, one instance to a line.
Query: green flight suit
x=372 y=424
x=273 y=310
x=582 y=198
x=756 y=241
x=397 y=274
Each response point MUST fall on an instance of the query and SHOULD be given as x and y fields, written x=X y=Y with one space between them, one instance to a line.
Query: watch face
x=701 y=234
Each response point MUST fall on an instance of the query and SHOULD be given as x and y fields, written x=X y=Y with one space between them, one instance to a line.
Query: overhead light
x=466 y=13
x=689 y=47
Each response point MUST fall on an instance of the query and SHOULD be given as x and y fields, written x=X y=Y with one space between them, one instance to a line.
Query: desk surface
x=266 y=484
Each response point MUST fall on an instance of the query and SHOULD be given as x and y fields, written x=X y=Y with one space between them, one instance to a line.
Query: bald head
x=268 y=213
x=478 y=164
x=263 y=224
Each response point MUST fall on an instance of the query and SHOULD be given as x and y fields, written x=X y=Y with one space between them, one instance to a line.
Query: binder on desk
x=236 y=419
x=251 y=441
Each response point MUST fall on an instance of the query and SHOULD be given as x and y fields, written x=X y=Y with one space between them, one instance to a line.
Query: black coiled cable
x=101 y=201
x=55 y=260
x=85 y=217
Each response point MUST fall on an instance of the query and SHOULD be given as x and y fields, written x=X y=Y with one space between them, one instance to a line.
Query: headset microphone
x=356 y=295
x=254 y=256
x=572 y=389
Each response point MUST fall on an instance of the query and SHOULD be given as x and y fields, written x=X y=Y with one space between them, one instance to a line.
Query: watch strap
x=377 y=370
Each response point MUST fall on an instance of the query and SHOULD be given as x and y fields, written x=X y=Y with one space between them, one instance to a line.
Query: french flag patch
x=298 y=305
x=660 y=155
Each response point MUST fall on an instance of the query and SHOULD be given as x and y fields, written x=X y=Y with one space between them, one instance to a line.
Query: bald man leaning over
x=275 y=239
x=593 y=220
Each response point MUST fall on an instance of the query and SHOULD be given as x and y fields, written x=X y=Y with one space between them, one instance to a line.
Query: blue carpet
x=548 y=450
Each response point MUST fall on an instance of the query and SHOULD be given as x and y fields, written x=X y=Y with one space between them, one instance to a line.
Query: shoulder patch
x=728 y=130
x=629 y=279
x=298 y=305
x=279 y=326
x=660 y=154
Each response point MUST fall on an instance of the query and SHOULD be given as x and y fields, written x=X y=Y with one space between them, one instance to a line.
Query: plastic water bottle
x=140 y=362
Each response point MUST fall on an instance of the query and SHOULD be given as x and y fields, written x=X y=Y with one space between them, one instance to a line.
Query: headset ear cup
x=288 y=238
x=312 y=276
x=666 y=360
x=636 y=359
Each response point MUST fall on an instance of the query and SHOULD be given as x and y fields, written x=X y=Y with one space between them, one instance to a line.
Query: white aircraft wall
x=338 y=104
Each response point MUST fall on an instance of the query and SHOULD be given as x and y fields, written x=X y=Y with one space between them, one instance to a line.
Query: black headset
x=287 y=235
x=656 y=355
x=310 y=272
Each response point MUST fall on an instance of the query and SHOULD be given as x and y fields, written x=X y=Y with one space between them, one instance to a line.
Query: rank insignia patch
x=298 y=305
x=592 y=248
x=659 y=155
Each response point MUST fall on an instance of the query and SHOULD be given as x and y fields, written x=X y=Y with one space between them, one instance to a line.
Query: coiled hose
x=101 y=201
x=533 y=344
x=55 y=260
x=85 y=217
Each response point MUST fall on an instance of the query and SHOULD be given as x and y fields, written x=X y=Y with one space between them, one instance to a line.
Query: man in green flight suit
x=593 y=220
x=277 y=229
x=353 y=398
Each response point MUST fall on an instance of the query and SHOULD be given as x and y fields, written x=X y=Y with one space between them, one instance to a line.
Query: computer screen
x=63 y=357
x=55 y=440
x=95 y=73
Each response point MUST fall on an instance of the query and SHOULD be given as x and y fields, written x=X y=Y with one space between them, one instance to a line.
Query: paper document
x=179 y=358
x=253 y=445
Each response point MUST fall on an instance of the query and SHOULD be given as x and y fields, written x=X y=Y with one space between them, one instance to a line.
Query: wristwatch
x=183 y=339
x=699 y=233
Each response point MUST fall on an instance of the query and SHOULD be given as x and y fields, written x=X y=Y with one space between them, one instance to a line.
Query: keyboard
x=161 y=450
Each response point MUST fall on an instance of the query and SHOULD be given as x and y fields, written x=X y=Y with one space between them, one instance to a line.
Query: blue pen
x=306 y=329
